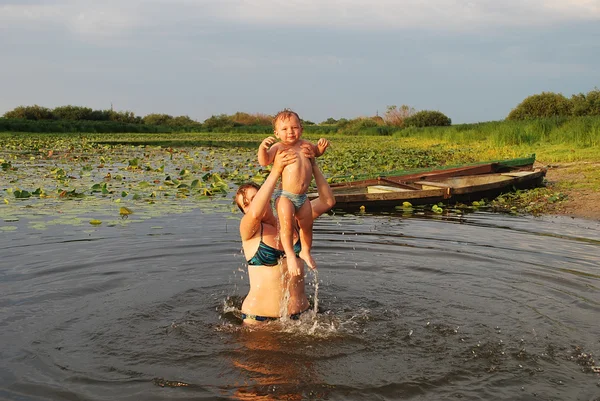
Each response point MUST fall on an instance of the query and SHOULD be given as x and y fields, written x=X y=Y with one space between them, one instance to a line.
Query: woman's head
x=245 y=194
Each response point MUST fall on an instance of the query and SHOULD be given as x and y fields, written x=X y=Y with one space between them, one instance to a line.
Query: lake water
x=479 y=307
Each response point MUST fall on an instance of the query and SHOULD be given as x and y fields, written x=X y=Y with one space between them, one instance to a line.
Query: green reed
x=580 y=132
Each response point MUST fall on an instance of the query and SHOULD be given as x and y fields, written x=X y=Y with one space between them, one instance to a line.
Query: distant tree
x=546 y=104
x=34 y=112
x=183 y=121
x=220 y=121
x=264 y=119
x=124 y=117
x=586 y=105
x=396 y=115
x=342 y=122
x=241 y=118
x=330 y=121
x=75 y=113
x=100 y=115
x=157 y=119
x=428 y=118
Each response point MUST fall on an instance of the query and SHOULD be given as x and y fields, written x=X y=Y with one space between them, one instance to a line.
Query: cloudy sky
x=472 y=60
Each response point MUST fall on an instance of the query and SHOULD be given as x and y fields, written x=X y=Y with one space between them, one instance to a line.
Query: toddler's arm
x=312 y=150
x=266 y=152
x=322 y=145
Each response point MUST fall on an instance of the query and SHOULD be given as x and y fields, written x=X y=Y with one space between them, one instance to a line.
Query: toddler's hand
x=322 y=144
x=267 y=142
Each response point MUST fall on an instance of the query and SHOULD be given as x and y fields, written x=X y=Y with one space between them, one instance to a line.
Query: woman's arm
x=326 y=200
x=257 y=208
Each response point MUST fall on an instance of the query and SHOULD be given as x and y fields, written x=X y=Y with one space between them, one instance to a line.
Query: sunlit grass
x=554 y=140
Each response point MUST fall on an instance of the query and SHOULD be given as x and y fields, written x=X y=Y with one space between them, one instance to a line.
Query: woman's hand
x=308 y=150
x=284 y=158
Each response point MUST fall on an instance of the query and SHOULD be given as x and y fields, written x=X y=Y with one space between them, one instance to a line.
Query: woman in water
x=274 y=292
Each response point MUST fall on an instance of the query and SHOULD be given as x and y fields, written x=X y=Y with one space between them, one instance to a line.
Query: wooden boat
x=450 y=185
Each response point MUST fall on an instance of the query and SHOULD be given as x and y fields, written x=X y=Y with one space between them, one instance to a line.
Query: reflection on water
x=481 y=306
x=267 y=365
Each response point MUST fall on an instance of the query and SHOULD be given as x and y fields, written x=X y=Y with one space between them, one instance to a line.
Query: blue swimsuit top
x=266 y=255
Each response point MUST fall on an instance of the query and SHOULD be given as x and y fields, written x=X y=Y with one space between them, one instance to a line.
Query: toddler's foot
x=292 y=265
x=308 y=259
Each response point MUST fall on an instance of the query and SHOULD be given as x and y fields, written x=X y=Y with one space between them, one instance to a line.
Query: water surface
x=478 y=307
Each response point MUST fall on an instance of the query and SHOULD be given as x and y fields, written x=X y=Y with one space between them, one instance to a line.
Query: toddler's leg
x=285 y=211
x=305 y=221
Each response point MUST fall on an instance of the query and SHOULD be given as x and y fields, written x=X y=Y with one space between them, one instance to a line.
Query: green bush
x=330 y=121
x=544 y=105
x=72 y=113
x=428 y=118
x=586 y=105
x=34 y=112
x=357 y=125
x=221 y=121
x=55 y=126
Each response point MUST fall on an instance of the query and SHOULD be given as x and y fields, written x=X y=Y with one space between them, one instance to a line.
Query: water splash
x=316 y=297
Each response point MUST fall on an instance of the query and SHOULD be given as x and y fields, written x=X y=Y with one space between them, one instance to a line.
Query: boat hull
x=456 y=185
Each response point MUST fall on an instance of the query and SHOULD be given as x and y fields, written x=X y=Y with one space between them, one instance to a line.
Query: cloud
x=393 y=14
x=111 y=18
x=89 y=19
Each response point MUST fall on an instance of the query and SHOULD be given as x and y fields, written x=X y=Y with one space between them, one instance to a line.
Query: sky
x=472 y=60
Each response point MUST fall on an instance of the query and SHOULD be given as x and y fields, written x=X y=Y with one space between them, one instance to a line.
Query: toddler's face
x=288 y=130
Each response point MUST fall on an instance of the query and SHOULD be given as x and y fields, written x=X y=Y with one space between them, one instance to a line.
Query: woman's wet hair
x=242 y=191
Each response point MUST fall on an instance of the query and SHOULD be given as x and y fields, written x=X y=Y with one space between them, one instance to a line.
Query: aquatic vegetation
x=534 y=201
x=194 y=168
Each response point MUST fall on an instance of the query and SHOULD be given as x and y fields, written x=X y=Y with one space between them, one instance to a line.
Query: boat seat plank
x=378 y=189
x=518 y=173
x=433 y=184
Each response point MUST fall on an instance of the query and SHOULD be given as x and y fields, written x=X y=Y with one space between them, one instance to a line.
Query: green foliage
x=48 y=126
x=586 y=105
x=72 y=113
x=157 y=119
x=241 y=118
x=183 y=121
x=124 y=117
x=428 y=118
x=533 y=201
x=330 y=121
x=221 y=121
x=575 y=131
x=358 y=125
x=343 y=122
x=544 y=105
x=34 y=112
x=168 y=120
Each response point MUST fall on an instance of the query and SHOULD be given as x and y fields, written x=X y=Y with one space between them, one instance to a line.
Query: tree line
x=84 y=119
x=395 y=117
x=79 y=113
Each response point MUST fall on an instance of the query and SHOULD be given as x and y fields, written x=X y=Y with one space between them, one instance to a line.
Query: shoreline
x=578 y=181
